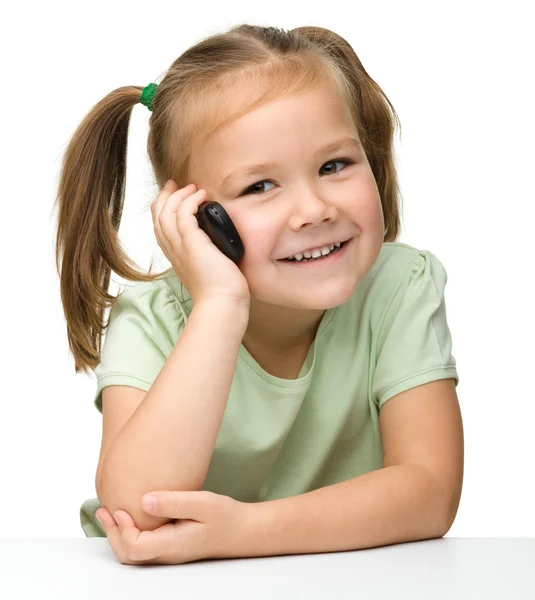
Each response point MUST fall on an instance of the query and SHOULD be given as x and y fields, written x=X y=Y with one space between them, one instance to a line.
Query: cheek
x=258 y=261
x=365 y=202
x=370 y=213
x=258 y=236
x=258 y=250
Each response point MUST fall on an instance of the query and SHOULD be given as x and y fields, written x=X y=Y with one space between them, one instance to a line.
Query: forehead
x=319 y=102
x=309 y=119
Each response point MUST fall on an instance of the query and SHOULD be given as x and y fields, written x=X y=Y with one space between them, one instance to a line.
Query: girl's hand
x=208 y=526
x=199 y=264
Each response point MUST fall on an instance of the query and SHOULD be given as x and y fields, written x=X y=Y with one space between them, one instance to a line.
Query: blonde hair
x=191 y=102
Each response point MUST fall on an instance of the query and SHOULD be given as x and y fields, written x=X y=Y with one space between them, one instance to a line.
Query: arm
x=168 y=442
x=388 y=506
x=414 y=496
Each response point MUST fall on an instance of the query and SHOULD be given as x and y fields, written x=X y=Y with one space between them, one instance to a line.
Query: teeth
x=316 y=253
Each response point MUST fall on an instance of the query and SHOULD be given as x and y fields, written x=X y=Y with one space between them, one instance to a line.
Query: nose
x=310 y=209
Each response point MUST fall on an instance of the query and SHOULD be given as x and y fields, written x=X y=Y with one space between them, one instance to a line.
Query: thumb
x=176 y=505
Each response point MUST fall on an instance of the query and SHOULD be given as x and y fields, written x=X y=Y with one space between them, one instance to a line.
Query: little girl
x=264 y=378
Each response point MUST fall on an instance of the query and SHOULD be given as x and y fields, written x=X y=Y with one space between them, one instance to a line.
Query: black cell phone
x=214 y=220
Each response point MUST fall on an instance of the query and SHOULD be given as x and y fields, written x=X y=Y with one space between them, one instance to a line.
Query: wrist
x=229 y=310
x=224 y=304
x=245 y=542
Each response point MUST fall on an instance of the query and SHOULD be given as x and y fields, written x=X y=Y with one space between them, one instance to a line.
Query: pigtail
x=90 y=203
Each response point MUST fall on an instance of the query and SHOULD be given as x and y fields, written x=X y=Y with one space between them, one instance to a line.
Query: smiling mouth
x=319 y=258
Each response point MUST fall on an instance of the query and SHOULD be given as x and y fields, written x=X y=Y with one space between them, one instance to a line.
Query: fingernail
x=169 y=184
x=98 y=518
x=150 y=503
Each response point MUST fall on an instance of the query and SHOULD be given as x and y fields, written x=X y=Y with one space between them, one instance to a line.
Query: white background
x=460 y=76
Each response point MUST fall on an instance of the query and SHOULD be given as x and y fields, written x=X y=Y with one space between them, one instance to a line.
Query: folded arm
x=414 y=496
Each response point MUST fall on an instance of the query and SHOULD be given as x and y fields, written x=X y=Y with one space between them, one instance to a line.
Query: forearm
x=395 y=504
x=168 y=442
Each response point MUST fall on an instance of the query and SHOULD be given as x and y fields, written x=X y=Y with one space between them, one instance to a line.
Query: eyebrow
x=347 y=142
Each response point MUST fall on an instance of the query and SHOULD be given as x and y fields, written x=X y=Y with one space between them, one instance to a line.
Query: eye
x=345 y=161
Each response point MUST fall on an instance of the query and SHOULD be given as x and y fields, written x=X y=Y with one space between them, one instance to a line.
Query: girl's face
x=306 y=198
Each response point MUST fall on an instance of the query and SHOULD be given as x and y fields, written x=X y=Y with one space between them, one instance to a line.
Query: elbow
x=452 y=501
x=113 y=498
x=444 y=502
x=447 y=514
x=451 y=513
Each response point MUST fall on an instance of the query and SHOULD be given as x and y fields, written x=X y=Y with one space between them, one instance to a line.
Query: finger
x=169 y=188
x=186 y=220
x=124 y=539
x=104 y=516
x=166 y=193
x=165 y=221
x=168 y=215
x=113 y=534
x=193 y=505
x=142 y=547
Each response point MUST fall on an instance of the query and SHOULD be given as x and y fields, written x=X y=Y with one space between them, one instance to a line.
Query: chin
x=319 y=299
x=327 y=300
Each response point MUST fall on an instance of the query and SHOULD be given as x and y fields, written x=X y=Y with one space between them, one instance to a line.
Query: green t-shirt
x=283 y=437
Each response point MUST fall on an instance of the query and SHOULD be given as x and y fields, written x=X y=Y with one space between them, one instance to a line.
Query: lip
x=331 y=259
x=315 y=247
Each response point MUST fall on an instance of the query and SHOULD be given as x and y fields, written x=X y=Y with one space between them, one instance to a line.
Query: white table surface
x=452 y=568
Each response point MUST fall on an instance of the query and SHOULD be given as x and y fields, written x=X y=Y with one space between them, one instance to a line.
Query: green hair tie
x=147 y=95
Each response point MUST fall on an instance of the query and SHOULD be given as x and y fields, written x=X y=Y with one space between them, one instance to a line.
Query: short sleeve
x=144 y=324
x=414 y=344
